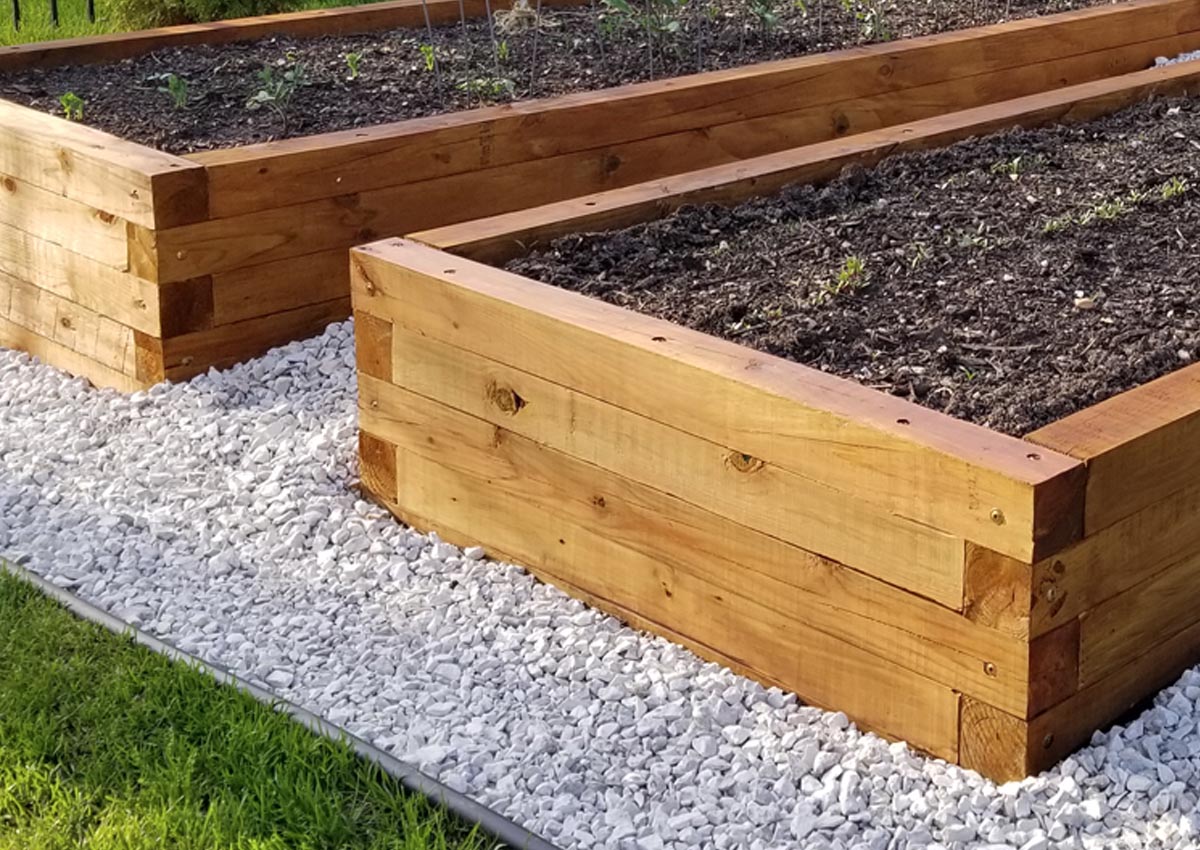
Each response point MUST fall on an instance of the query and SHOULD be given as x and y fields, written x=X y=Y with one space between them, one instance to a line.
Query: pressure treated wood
x=610 y=452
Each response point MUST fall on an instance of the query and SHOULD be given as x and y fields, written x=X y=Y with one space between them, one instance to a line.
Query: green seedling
x=176 y=88
x=502 y=51
x=1173 y=188
x=354 y=63
x=851 y=277
x=72 y=106
x=276 y=90
x=430 y=57
x=488 y=88
x=1015 y=167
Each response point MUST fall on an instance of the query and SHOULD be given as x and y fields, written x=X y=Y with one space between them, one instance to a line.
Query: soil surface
x=1008 y=281
x=570 y=50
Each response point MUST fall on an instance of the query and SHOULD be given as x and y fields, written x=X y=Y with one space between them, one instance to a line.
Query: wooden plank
x=346 y=20
x=1057 y=732
x=263 y=177
x=718 y=478
x=224 y=345
x=253 y=291
x=1124 y=626
x=373 y=346
x=870 y=614
x=68 y=324
x=129 y=181
x=920 y=465
x=499 y=238
x=822 y=669
x=993 y=742
x=95 y=286
x=60 y=356
x=1116 y=559
x=1140 y=447
x=98 y=235
x=377 y=467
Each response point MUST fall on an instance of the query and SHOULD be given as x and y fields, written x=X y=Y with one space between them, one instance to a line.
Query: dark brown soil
x=573 y=50
x=1008 y=281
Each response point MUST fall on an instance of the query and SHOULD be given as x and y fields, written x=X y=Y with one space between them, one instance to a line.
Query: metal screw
x=997 y=516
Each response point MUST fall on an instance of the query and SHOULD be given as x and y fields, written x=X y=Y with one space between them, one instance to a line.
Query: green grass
x=73 y=22
x=107 y=746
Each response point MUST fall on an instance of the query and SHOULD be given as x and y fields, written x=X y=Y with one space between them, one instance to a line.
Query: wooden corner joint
x=373 y=345
x=377 y=463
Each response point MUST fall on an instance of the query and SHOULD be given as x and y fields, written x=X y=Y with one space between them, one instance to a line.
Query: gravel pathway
x=217 y=514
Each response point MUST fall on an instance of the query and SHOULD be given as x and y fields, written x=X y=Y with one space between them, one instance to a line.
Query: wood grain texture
x=373 y=346
x=870 y=614
x=1140 y=447
x=317 y=22
x=51 y=217
x=127 y=180
x=60 y=356
x=666 y=600
x=720 y=478
x=499 y=238
x=829 y=92
x=253 y=291
x=1115 y=559
x=919 y=465
x=74 y=277
x=993 y=742
x=377 y=466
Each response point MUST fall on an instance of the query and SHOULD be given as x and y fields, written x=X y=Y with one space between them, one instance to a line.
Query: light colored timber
x=824 y=670
x=719 y=478
x=920 y=465
x=313 y=23
x=254 y=291
x=502 y=237
x=68 y=324
x=652 y=526
x=95 y=286
x=56 y=354
x=49 y=216
x=740 y=109
x=127 y=180
x=1140 y=447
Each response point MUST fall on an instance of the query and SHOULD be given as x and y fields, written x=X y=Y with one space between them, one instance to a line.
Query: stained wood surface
x=918 y=464
x=254 y=291
x=13 y=335
x=649 y=594
x=318 y=22
x=723 y=115
x=49 y=216
x=499 y=238
x=1140 y=447
x=127 y=180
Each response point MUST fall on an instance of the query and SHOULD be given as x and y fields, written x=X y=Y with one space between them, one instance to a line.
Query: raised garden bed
x=178 y=264
x=991 y=598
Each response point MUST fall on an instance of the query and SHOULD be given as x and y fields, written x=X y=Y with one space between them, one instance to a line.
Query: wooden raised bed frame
x=993 y=601
x=129 y=266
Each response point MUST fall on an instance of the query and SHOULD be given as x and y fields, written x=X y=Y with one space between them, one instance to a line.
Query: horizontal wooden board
x=499 y=238
x=254 y=291
x=95 y=286
x=754 y=493
x=826 y=85
x=873 y=615
x=1140 y=447
x=127 y=180
x=66 y=323
x=919 y=465
x=100 y=236
x=60 y=356
x=1115 y=559
x=345 y=20
x=823 y=670
x=224 y=345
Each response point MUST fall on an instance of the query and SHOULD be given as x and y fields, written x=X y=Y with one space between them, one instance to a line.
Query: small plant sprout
x=488 y=88
x=871 y=17
x=502 y=51
x=1173 y=188
x=851 y=277
x=276 y=90
x=176 y=87
x=354 y=63
x=430 y=57
x=1015 y=167
x=72 y=106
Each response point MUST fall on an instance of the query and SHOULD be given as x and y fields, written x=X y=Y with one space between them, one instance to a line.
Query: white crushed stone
x=218 y=515
x=1175 y=60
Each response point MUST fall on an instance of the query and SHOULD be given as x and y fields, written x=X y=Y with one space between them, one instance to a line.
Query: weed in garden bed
x=106 y=745
x=72 y=106
x=176 y=88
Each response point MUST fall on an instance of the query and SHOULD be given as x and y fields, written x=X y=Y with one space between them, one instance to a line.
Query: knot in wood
x=506 y=399
x=744 y=462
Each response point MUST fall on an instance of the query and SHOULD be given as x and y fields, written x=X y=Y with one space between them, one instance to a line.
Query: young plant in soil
x=72 y=106
x=277 y=89
x=176 y=88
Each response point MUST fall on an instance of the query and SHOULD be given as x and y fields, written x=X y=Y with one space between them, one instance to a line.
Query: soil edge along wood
x=129 y=266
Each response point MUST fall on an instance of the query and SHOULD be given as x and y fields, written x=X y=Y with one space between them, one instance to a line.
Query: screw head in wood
x=997 y=516
x=990 y=669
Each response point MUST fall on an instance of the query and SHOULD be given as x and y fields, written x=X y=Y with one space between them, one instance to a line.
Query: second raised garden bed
x=129 y=266
x=992 y=599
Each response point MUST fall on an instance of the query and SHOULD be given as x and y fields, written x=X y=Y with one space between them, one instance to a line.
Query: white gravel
x=218 y=515
x=1182 y=57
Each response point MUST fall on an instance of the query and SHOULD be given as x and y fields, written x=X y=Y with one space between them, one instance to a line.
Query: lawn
x=106 y=745
x=73 y=22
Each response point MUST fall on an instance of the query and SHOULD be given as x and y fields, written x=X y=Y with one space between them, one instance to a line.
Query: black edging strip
x=489 y=821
